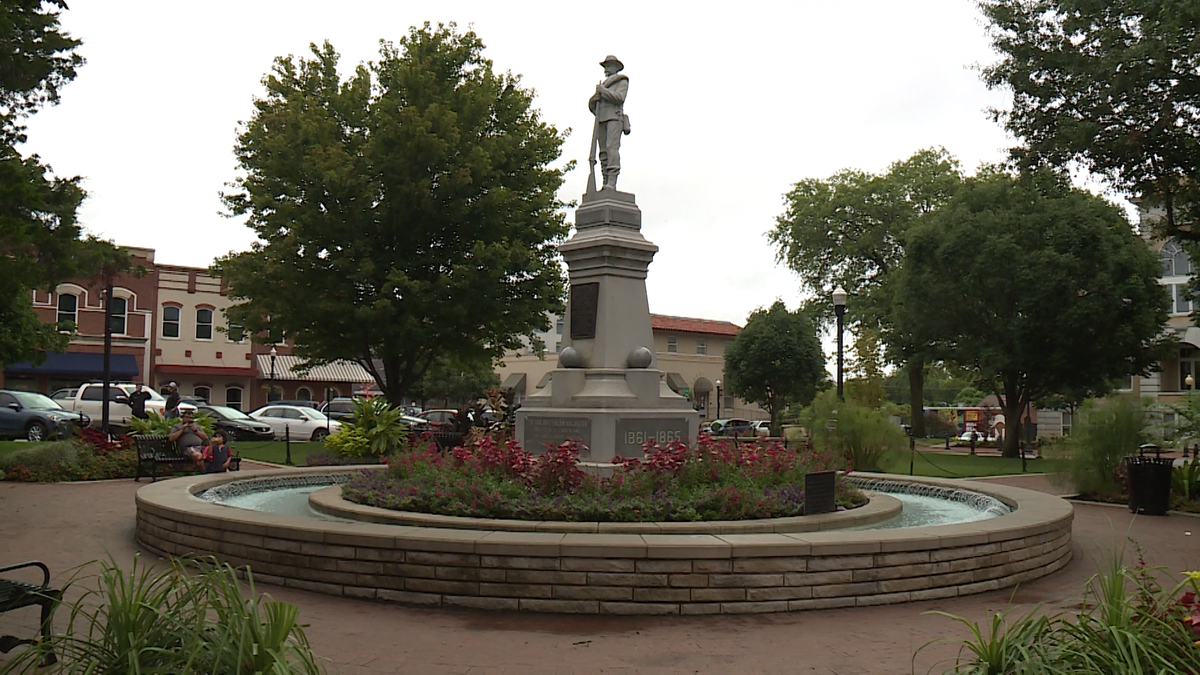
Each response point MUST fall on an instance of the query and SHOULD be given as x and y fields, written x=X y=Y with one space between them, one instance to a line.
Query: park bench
x=155 y=449
x=18 y=594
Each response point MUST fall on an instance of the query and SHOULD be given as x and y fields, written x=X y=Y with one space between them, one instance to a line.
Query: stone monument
x=607 y=391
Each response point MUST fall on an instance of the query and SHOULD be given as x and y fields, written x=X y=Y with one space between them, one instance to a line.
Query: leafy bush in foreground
x=91 y=457
x=1130 y=624
x=189 y=619
x=716 y=480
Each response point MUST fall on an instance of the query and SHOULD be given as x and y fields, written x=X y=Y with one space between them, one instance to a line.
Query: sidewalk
x=66 y=525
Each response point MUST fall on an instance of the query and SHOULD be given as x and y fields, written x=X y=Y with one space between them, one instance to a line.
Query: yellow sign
x=972 y=415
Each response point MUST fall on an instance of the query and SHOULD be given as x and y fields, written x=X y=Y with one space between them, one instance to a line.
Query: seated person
x=216 y=455
x=190 y=438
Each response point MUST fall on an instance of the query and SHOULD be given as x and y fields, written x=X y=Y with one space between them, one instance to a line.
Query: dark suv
x=340 y=409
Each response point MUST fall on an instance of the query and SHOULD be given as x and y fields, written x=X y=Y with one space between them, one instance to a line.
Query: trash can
x=1149 y=481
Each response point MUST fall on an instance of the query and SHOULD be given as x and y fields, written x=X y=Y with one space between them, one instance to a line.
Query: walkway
x=68 y=524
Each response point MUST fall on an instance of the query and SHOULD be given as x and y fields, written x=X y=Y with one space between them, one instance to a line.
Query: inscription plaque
x=634 y=432
x=584 y=301
x=820 y=492
x=540 y=431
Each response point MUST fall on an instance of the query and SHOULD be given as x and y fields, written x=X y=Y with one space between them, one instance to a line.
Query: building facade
x=170 y=325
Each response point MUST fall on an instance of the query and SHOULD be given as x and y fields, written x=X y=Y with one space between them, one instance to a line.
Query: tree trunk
x=916 y=396
x=1013 y=406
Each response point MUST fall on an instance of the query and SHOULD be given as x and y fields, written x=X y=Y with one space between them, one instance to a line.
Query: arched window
x=204 y=323
x=170 y=321
x=68 y=308
x=1174 y=260
x=116 y=314
x=233 y=397
x=203 y=392
x=303 y=394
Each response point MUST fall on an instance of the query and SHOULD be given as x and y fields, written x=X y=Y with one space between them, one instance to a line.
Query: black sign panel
x=585 y=299
x=633 y=433
x=820 y=492
x=555 y=430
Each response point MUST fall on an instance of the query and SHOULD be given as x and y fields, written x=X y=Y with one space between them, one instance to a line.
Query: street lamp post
x=1189 y=381
x=271 y=391
x=717 y=412
x=839 y=308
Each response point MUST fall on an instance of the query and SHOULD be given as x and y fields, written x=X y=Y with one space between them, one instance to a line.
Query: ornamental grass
x=713 y=480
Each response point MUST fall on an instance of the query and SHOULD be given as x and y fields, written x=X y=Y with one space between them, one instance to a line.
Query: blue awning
x=122 y=366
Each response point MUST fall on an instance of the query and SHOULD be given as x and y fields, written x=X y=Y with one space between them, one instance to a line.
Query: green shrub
x=862 y=435
x=191 y=618
x=1105 y=431
x=349 y=442
x=41 y=456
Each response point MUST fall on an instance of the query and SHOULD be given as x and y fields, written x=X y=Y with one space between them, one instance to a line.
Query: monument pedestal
x=607 y=391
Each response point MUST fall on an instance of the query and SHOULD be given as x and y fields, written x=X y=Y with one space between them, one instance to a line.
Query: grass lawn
x=965 y=466
x=275 y=452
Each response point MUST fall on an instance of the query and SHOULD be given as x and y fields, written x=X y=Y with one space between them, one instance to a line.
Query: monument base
x=606 y=433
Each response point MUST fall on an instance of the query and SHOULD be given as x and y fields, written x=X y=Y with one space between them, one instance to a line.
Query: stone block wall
x=615 y=573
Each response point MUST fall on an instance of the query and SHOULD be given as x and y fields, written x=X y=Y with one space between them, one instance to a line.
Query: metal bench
x=18 y=594
x=155 y=449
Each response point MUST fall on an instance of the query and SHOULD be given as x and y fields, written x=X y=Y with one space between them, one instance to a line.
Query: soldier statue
x=607 y=104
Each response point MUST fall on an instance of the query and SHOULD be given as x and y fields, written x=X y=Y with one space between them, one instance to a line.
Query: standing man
x=137 y=401
x=607 y=104
x=172 y=407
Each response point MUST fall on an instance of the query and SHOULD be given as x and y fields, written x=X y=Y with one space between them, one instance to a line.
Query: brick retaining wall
x=615 y=573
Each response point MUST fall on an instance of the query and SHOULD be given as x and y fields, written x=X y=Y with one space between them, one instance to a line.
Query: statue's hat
x=612 y=59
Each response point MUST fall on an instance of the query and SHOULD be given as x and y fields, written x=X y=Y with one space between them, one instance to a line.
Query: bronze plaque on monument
x=820 y=492
x=584 y=301
x=540 y=431
x=634 y=432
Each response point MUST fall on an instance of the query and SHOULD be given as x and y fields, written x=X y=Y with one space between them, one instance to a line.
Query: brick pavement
x=68 y=524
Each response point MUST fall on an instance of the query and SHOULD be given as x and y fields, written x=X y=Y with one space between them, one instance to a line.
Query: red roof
x=684 y=324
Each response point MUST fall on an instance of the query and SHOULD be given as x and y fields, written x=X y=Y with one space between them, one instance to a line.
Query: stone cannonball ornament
x=570 y=357
x=640 y=358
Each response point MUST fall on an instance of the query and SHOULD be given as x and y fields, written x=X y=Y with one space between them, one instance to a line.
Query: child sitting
x=216 y=455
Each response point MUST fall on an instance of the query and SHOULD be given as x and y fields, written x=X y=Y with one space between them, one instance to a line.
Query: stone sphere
x=570 y=357
x=640 y=358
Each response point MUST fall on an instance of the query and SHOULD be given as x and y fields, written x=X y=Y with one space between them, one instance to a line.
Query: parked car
x=965 y=437
x=341 y=409
x=35 y=417
x=762 y=427
x=237 y=425
x=417 y=424
x=89 y=400
x=301 y=423
x=734 y=426
x=299 y=403
x=439 y=418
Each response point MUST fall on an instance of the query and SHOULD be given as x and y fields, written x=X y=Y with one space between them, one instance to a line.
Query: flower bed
x=715 y=480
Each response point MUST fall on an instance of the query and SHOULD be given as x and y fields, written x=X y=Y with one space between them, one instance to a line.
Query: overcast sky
x=731 y=104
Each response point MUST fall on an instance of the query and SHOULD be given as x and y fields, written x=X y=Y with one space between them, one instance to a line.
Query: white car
x=301 y=424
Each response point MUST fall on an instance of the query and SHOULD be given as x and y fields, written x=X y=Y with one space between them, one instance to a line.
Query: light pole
x=839 y=308
x=271 y=391
x=717 y=412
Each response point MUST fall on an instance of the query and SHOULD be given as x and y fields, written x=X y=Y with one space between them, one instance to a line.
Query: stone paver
x=68 y=524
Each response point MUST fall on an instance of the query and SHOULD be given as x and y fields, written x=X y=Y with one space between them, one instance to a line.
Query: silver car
x=300 y=423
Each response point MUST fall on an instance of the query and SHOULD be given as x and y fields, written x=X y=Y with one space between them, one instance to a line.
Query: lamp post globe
x=839 y=308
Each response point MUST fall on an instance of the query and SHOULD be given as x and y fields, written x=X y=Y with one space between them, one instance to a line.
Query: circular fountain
x=293 y=529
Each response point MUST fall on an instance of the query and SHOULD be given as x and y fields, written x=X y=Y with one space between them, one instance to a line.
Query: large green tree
x=776 y=361
x=405 y=213
x=457 y=382
x=41 y=243
x=1033 y=286
x=1112 y=86
x=849 y=230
